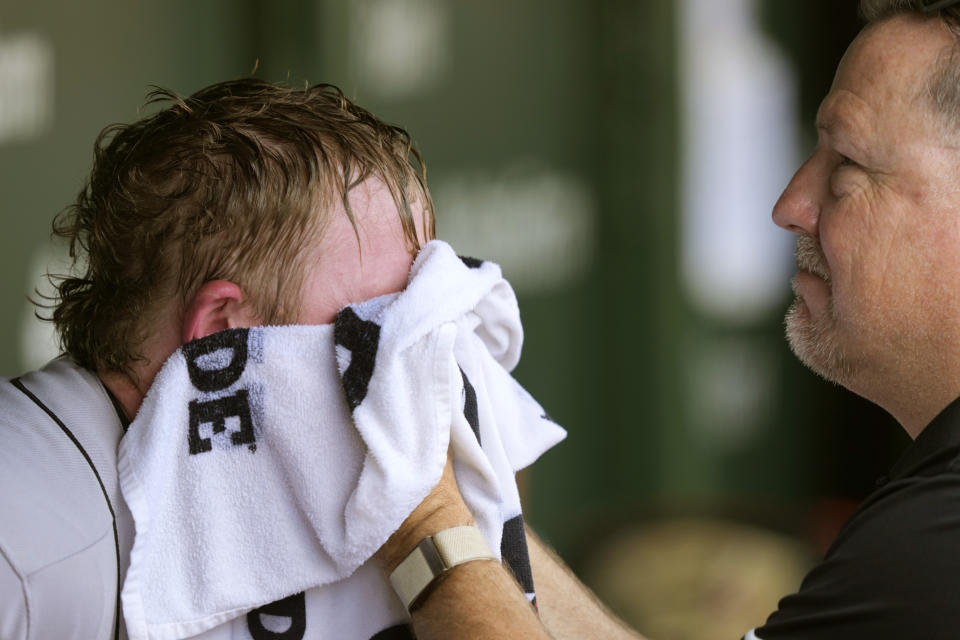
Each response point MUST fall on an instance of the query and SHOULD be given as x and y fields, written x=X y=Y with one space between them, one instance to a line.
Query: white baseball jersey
x=65 y=531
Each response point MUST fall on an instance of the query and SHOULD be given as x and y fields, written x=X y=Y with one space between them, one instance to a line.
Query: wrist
x=426 y=521
x=431 y=561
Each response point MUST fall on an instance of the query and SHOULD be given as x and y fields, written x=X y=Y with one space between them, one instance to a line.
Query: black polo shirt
x=894 y=569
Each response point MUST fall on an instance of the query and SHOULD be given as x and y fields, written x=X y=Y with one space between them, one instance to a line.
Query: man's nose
x=798 y=208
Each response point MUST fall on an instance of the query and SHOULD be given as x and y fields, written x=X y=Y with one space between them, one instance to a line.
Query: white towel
x=273 y=461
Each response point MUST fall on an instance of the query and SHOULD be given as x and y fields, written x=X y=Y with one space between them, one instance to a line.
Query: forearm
x=477 y=599
x=567 y=607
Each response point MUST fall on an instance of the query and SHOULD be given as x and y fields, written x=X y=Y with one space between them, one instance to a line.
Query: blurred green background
x=574 y=142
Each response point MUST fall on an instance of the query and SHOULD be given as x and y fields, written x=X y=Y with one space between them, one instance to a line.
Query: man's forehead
x=373 y=197
x=374 y=209
x=884 y=75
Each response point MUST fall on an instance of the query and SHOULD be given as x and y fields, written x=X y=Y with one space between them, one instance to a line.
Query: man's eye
x=845 y=161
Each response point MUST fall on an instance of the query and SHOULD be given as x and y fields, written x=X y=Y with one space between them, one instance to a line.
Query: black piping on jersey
x=124 y=420
x=116 y=538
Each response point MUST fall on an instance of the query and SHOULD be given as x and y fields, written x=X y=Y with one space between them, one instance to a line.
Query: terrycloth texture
x=272 y=461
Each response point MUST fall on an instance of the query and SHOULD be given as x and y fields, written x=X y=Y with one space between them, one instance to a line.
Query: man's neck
x=916 y=415
x=125 y=389
x=130 y=387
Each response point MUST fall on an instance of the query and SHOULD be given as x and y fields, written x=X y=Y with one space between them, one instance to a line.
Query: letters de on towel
x=214 y=363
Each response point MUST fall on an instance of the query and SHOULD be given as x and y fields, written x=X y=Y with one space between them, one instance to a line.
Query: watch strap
x=434 y=556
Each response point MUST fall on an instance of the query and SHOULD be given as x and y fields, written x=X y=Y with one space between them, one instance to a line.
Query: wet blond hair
x=234 y=182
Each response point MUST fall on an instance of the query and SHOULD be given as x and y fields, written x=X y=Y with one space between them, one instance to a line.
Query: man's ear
x=216 y=306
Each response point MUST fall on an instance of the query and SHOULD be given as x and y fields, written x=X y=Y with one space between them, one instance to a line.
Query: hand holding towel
x=273 y=461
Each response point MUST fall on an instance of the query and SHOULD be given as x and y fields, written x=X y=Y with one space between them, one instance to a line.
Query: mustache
x=809 y=256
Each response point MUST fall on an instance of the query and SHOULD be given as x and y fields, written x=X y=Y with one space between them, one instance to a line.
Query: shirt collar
x=124 y=420
x=940 y=439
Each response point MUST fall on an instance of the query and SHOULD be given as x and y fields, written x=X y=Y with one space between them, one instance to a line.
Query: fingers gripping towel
x=267 y=465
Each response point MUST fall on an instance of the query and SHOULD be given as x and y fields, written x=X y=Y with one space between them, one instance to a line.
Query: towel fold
x=270 y=462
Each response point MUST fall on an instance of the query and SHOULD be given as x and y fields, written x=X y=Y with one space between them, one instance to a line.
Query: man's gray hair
x=943 y=85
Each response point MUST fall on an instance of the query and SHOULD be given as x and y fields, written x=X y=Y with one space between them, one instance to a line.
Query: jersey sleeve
x=58 y=549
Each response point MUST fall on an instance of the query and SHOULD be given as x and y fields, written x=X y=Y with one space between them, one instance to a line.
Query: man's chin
x=815 y=342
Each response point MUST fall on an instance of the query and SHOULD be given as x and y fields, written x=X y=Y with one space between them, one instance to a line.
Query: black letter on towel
x=216 y=412
x=470 y=410
x=397 y=632
x=294 y=608
x=361 y=338
x=513 y=550
x=473 y=263
x=216 y=379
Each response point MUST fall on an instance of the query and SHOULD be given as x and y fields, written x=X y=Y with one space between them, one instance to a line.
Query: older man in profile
x=876 y=211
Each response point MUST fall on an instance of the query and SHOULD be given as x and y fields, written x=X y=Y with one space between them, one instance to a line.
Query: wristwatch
x=433 y=557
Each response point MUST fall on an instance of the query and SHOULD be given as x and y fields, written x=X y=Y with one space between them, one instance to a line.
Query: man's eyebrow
x=831 y=128
x=828 y=121
x=826 y=118
x=834 y=127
